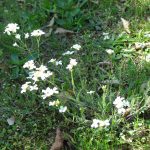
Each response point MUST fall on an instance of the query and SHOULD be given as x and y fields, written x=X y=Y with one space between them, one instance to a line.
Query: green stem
x=72 y=81
x=38 y=45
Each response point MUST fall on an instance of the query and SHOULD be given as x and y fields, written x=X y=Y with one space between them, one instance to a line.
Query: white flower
x=76 y=46
x=62 y=109
x=106 y=36
x=58 y=63
x=147 y=58
x=126 y=103
x=42 y=68
x=109 y=51
x=95 y=123
x=24 y=87
x=15 y=45
x=11 y=27
x=121 y=110
x=34 y=87
x=29 y=65
x=34 y=75
x=26 y=35
x=100 y=123
x=69 y=67
x=147 y=34
x=140 y=124
x=106 y=122
x=68 y=53
x=90 y=92
x=73 y=63
x=40 y=73
x=118 y=100
x=37 y=33
x=52 y=60
x=46 y=75
x=121 y=104
x=17 y=36
x=54 y=103
x=49 y=92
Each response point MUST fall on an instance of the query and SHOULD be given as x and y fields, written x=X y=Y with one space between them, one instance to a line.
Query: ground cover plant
x=75 y=75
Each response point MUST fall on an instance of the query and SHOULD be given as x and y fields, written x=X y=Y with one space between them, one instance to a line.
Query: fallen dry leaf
x=11 y=120
x=105 y=63
x=126 y=25
x=62 y=31
x=51 y=23
x=111 y=82
x=58 y=144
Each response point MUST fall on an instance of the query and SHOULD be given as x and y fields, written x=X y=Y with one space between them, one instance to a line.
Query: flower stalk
x=72 y=81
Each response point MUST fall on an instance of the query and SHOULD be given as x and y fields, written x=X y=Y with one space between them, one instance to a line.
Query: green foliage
x=69 y=12
x=35 y=121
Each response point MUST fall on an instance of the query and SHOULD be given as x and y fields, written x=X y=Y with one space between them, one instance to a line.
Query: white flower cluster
x=121 y=104
x=147 y=34
x=29 y=65
x=90 y=92
x=42 y=73
x=29 y=87
x=37 y=73
x=68 y=53
x=49 y=92
x=62 y=109
x=37 y=33
x=54 y=103
x=76 y=47
x=26 y=35
x=73 y=63
x=100 y=123
x=15 y=44
x=17 y=36
x=109 y=51
x=147 y=58
x=59 y=62
x=11 y=28
x=106 y=36
x=52 y=60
